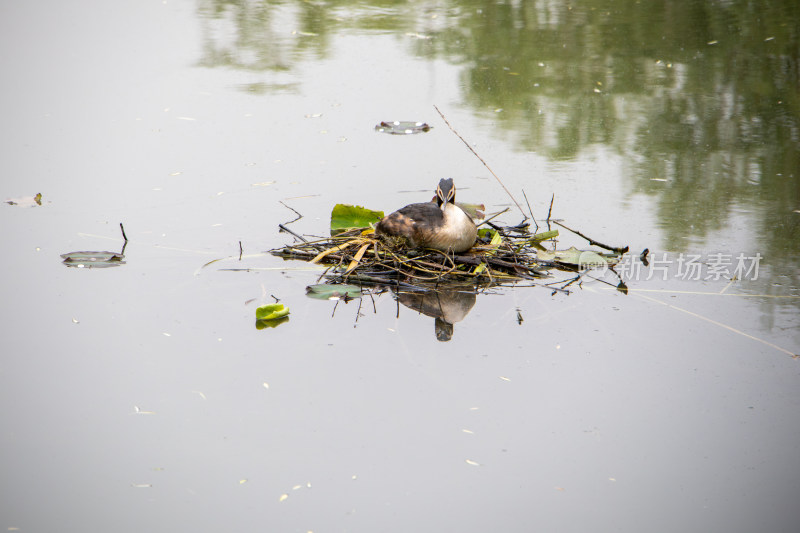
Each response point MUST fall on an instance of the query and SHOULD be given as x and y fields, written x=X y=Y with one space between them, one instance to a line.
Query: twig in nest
x=471 y=149
x=493 y=217
x=592 y=241
x=287 y=230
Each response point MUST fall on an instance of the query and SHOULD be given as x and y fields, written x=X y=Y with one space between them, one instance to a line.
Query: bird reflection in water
x=446 y=306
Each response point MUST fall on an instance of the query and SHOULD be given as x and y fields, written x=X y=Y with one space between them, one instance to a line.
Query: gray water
x=142 y=397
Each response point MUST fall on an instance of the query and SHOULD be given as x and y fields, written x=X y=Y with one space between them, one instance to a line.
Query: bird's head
x=445 y=192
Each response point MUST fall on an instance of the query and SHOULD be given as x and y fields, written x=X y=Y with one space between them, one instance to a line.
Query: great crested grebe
x=441 y=225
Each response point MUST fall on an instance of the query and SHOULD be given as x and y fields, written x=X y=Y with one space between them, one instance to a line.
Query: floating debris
x=93 y=259
x=400 y=127
x=325 y=291
x=26 y=201
x=97 y=259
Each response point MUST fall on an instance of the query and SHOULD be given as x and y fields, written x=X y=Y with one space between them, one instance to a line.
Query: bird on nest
x=441 y=225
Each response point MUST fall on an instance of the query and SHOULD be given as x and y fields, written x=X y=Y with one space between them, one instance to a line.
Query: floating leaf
x=271 y=316
x=401 y=127
x=264 y=324
x=271 y=312
x=578 y=258
x=91 y=256
x=333 y=292
x=344 y=217
x=545 y=235
x=93 y=259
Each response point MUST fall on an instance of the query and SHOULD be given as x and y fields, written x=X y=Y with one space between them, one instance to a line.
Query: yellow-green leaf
x=344 y=217
x=271 y=312
x=543 y=236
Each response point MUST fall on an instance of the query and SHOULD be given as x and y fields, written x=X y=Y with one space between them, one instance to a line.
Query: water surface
x=143 y=397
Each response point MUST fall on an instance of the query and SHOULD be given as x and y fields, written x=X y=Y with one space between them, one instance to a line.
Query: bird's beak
x=440 y=197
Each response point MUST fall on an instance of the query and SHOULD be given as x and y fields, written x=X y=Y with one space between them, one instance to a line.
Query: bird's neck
x=453 y=213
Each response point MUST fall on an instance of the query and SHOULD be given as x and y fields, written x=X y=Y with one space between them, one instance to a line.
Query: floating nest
x=503 y=255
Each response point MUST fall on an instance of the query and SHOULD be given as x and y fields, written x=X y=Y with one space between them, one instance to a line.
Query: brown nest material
x=502 y=255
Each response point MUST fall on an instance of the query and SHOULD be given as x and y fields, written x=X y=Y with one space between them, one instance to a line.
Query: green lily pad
x=333 y=292
x=345 y=217
x=271 y=312
x=402 y=127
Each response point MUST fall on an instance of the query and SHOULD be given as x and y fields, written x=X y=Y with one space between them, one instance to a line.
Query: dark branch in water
x=530 y=211
x=643 y=257
x=125 y=243
x=299 y=216
x=592 y=241
x=471 y=149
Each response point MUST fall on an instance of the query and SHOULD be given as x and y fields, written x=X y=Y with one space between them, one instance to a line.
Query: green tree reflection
x=702 y=99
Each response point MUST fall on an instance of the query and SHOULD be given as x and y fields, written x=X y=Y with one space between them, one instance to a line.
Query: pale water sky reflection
x=143 y=398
